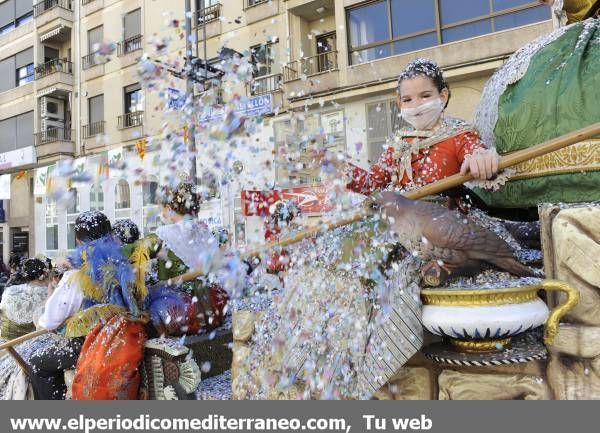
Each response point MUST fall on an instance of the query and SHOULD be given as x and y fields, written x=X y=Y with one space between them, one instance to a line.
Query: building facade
x=326 y=70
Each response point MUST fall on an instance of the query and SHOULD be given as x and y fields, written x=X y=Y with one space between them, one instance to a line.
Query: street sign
x=176 y=99
x=254 y=106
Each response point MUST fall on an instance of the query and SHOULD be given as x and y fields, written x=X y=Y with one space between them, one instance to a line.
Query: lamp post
x=190 y=86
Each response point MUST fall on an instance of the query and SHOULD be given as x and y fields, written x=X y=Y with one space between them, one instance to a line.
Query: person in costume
x=434 y=146
x=281 y=216
x=97 y=289
x=349 y=317
x=183 y=243
x=547 y=88
x=18 y=308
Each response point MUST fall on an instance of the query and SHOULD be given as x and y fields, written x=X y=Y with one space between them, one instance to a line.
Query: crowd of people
x=113 y=292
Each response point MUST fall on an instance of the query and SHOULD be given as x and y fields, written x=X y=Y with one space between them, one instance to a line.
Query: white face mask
x=425 y=116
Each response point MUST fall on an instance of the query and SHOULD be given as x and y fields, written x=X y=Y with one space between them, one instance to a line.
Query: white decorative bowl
x=486 y=319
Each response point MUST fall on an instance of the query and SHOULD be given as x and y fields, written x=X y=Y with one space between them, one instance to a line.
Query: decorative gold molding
x=480 y=297
x=480 y=345
x=579 y=157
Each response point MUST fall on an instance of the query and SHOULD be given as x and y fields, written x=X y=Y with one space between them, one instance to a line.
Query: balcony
x=257 y=10
x=265 y=85
x=92 y=66
x=57 y=73
x=208 y=21
x=309 y=66
x=130 y=120
x=129 y=45
x=311 y=75
x=93 y=129
x=49 y=14
x=89 y=61
x=52 y=67
x=54 y=143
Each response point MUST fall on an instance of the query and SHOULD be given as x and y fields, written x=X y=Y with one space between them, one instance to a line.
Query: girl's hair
x=126 y=230
x=427 y=68
x=183 y=199
x=91 y=225
x=33 y=269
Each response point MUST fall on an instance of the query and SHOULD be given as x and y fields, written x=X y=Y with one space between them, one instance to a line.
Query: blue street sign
x=254 y=106
x=176 y=99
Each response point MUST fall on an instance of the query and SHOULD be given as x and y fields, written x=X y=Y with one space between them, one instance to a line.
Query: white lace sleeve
x=63 y=303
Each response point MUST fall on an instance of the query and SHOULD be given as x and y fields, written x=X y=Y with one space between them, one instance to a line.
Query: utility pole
x=190 y=86
x=203 y=7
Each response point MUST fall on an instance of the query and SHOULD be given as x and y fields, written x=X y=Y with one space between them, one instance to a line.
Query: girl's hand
x=482 y=165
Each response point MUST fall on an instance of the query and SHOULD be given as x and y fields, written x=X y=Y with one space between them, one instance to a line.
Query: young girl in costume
x=349 y=317
x=17 y=310
x=184 y=244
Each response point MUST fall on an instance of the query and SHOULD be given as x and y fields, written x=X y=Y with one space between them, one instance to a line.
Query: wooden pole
x=433 y=188
x=18 y=359
x=23 y=338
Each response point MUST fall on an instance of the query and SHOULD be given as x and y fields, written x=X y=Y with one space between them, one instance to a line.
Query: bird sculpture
x=447 y=241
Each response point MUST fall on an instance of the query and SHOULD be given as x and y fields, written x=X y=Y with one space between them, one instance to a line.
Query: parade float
x=485 y=337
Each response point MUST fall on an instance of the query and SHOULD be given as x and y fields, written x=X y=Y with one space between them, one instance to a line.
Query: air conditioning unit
x=51 y=124
x=52 y=108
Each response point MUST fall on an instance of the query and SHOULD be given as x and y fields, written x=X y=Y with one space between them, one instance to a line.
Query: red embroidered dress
x=418 y=158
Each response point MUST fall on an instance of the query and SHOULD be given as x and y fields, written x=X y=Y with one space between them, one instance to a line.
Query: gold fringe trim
x=83 y=280
x=580 y=157
x=81 y=323
x=140 y=258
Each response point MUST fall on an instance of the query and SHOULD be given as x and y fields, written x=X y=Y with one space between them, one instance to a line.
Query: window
x=72 y=213
x=51 y=226
x=132 y=24
x=16 y=132
x=94 y=39
x=14 y=13
x=96 y=198
x=25 y=19
x=95 y=36
x=122 y=197
x=412 y=24
x=263 y=59
x=25 y=74
x=122 y=200
x=133 y=99
x=150 y=205
x=96 y=109
x=383 y=120
x=16 y=70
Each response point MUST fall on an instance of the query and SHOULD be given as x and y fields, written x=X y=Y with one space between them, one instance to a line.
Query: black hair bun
x=126 y=230
x=33 y=269
x=91 y=225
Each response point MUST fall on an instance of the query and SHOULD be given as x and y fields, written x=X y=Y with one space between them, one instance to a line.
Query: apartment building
x=324 y=70
x=69 y=91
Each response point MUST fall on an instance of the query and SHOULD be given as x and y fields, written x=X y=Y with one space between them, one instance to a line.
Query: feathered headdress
x=104 y=273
